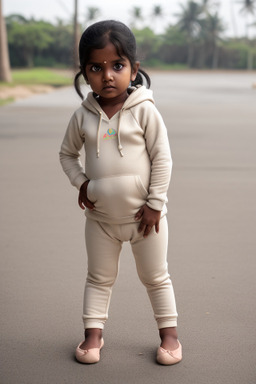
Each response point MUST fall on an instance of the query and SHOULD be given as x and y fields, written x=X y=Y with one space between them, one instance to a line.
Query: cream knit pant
x=104 y=243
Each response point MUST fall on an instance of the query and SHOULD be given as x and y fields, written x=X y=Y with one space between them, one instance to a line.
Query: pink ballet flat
x=88 y=356
x=165 y=357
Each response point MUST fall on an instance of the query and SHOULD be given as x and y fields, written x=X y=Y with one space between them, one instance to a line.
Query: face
x=108 y=74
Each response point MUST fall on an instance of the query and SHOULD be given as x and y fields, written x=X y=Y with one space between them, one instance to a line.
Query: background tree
x=76 y=36
x=233 y=17
x=212 y=29
x=136 y=14
x=157 y=11
x=208 y=6
x=157 y=14
x=147 y=44
x=28 y=38
x=173 y=47
x=40 y=43
x=248 y=9
x=76 y=31
x=190 y=23
x=92 y=14
x=5 y=71
x=59 y=51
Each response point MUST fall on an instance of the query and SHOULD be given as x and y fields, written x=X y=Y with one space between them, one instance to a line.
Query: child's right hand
x=149 y=218
x=83 y=201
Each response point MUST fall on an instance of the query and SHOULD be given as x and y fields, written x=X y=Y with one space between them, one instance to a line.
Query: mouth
x=108 y=87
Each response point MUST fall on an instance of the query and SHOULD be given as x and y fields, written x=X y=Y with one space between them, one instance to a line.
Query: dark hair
x=97 y=36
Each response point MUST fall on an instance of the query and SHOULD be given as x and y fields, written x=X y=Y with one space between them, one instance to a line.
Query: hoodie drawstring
x=98 y=135
x=118 y=135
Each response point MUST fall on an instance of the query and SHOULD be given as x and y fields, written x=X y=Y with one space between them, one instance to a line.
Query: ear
x=135 y=69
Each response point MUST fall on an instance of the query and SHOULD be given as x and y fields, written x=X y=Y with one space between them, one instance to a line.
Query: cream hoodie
x=127 y=157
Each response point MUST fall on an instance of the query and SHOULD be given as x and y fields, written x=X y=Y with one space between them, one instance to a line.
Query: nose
x=107 y=75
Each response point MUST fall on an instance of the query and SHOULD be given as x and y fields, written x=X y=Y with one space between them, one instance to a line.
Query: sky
x=50 y=10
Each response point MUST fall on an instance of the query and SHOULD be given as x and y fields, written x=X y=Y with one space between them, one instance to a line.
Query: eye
x=118 y=66
x=95 y=68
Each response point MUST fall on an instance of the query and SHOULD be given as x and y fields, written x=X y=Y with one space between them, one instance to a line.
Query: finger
x=142 y=227
x=157 y=227
x=89 y=204
x=81 y=204
x=147 y=231
x=139 y=214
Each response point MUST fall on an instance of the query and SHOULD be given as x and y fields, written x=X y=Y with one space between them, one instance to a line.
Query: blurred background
x=180 y=34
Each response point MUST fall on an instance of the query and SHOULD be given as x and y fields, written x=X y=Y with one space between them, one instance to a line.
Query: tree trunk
x=233 y=18
x=249 y=57
x=190 y=54
x=202 y=56
x=76 y=38
x=5 y=71
x=215 y=57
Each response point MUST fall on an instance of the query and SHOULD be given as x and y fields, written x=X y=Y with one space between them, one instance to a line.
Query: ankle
x=170 y=332
x=93 y=333
x=169 y=338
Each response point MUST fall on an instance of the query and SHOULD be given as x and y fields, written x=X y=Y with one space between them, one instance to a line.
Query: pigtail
x=77 y=84
x=148 y=80
x=139 y=78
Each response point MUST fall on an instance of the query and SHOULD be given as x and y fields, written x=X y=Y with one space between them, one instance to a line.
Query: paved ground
x=212 y=128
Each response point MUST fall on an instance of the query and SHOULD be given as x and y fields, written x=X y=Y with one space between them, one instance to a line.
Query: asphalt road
x=211 y=120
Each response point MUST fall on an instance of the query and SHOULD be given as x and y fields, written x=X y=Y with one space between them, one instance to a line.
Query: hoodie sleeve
x=70 y=153
x=158 y=148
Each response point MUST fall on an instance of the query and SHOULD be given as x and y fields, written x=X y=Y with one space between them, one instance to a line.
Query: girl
x=124 y=184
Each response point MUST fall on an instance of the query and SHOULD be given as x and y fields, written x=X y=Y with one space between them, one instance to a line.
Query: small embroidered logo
x=111 y=133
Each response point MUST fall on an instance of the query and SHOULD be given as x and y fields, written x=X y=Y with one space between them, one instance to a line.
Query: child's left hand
x=149 y=218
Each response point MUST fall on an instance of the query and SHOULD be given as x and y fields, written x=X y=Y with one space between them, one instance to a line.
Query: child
x=124 y=184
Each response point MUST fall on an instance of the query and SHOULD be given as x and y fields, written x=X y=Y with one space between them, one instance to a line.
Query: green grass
x=40 y=76
x=6 y=101
x=35 y=76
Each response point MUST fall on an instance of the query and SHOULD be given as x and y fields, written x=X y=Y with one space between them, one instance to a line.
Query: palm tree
x=211 y=33
x=190 y=22
x=209 y=5
x=76 y=31
x=92 y=14
x=76 y=36
x=157 y=14
x=248 y=6
x=5 y=71
x=233 y=17
x=248 y=9
x=157 y=11
x=136 y=13
x=211 y=29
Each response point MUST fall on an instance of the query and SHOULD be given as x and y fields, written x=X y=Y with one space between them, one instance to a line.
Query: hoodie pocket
x=117 y=196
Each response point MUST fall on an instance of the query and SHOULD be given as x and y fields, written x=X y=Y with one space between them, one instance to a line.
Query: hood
x=137 y=95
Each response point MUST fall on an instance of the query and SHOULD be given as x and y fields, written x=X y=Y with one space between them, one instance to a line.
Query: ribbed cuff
x=155 y=204
x=167 y=323
x=79 y=181
x=93 y=324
